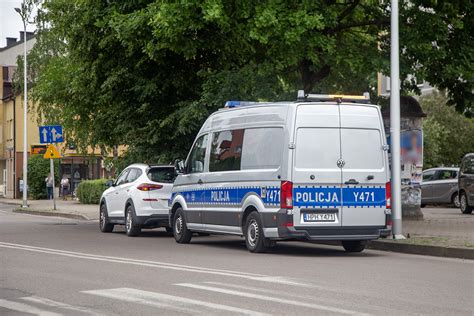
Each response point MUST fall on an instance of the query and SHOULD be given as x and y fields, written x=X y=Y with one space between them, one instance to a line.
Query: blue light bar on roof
x=234 y=104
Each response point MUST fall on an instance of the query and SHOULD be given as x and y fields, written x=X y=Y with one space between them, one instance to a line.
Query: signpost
x=50 y=134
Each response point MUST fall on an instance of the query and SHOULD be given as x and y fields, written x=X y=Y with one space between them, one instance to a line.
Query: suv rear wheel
x=131 y=227
x=465 y=207
x=354 y=245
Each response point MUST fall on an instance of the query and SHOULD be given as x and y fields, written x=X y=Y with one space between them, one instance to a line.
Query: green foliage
x=147 y=73
x=38 y=171
x=448 y=135
x=90 y=191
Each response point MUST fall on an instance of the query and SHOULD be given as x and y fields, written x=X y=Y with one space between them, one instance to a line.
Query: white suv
x=137 y=199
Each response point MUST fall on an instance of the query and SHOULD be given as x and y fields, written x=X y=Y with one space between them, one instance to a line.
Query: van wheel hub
x=178 y=226
x=253 y=232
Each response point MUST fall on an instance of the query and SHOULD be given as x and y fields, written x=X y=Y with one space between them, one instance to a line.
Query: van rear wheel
x=354 y=245
x=253 y=232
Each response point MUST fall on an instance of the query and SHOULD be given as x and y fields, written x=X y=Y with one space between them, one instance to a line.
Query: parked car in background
x=440 y=186
x=466 y=184
x=137 y=199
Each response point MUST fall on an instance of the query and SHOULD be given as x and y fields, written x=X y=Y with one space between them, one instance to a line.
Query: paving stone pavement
x=90 y=211
x=443 y=225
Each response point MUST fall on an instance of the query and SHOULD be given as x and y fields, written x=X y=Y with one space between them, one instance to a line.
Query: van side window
x=195 y=162
x=262 y=148
x=226 y=150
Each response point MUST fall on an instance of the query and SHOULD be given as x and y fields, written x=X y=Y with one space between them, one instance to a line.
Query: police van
x=315 y=169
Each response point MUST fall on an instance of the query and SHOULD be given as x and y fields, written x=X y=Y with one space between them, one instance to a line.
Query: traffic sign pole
x=51 y=165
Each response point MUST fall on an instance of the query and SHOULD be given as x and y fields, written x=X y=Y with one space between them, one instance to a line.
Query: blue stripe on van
x=319 y=197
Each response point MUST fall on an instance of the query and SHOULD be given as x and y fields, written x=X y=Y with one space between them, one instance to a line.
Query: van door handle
x=351 y=181
x=370 y=177
x=200 y=181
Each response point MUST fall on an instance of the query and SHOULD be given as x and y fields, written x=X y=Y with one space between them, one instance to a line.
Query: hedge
x=90 y=191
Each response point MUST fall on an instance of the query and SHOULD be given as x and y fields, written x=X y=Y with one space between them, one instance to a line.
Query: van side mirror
x=179 y=165
x=109 y=183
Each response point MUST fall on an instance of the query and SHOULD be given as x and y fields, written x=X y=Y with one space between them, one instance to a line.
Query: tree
x=448 y=135
x=38 y=170
x=147 y=73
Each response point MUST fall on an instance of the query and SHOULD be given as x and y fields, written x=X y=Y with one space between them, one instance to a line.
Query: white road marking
x=56 y=304
x=177 y=303
x=156 y=264
x=3 y=212
x=20 y=307
x=270 y=299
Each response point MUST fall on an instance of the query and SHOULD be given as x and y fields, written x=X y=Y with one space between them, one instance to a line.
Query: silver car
x=440 y=186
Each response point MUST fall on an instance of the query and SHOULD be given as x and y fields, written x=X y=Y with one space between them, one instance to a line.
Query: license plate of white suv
x=319 y=217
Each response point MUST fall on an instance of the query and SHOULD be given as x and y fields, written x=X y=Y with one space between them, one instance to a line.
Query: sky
x=10 y=21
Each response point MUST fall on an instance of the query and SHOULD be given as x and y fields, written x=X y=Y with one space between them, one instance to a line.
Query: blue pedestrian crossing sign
x=51 y=134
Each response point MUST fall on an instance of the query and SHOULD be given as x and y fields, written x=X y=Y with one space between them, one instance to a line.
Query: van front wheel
x=182 y=234
x=354 y=245
x=254 y=238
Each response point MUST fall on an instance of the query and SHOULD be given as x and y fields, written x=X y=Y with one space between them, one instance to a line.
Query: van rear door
x=316 y=175
x=364 y=173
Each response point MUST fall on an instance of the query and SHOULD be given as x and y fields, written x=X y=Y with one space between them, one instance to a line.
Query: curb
x=424 y=250
x=51 y=213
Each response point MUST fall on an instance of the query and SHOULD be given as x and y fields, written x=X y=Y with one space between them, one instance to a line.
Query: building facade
x=73 y=165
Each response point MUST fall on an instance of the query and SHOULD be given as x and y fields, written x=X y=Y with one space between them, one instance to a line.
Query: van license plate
x=319 y=217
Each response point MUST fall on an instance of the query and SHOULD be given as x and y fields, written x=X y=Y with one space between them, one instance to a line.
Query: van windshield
x=162 y=174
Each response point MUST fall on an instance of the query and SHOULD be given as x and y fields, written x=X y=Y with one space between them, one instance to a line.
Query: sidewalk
x=68 y=208
x=444 y=232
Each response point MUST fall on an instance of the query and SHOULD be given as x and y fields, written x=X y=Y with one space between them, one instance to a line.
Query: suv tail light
x=388 y=195
x=149 y=187
x=286 y=197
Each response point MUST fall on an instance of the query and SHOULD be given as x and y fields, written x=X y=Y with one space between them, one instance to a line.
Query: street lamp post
x=24 y=16
x=395 y=122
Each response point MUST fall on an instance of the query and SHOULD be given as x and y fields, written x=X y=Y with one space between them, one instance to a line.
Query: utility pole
x=395 y=122
x=24 y=16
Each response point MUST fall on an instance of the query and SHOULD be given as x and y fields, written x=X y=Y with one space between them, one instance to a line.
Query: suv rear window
x=162 y=174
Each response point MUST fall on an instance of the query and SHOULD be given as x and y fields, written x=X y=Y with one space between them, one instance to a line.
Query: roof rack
x=365 y=98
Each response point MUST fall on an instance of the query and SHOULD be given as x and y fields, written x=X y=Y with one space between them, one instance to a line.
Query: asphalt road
x=51 y=266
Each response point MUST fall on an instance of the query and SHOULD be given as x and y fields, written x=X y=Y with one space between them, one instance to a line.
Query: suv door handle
x=351 y=181
x=200 y=181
